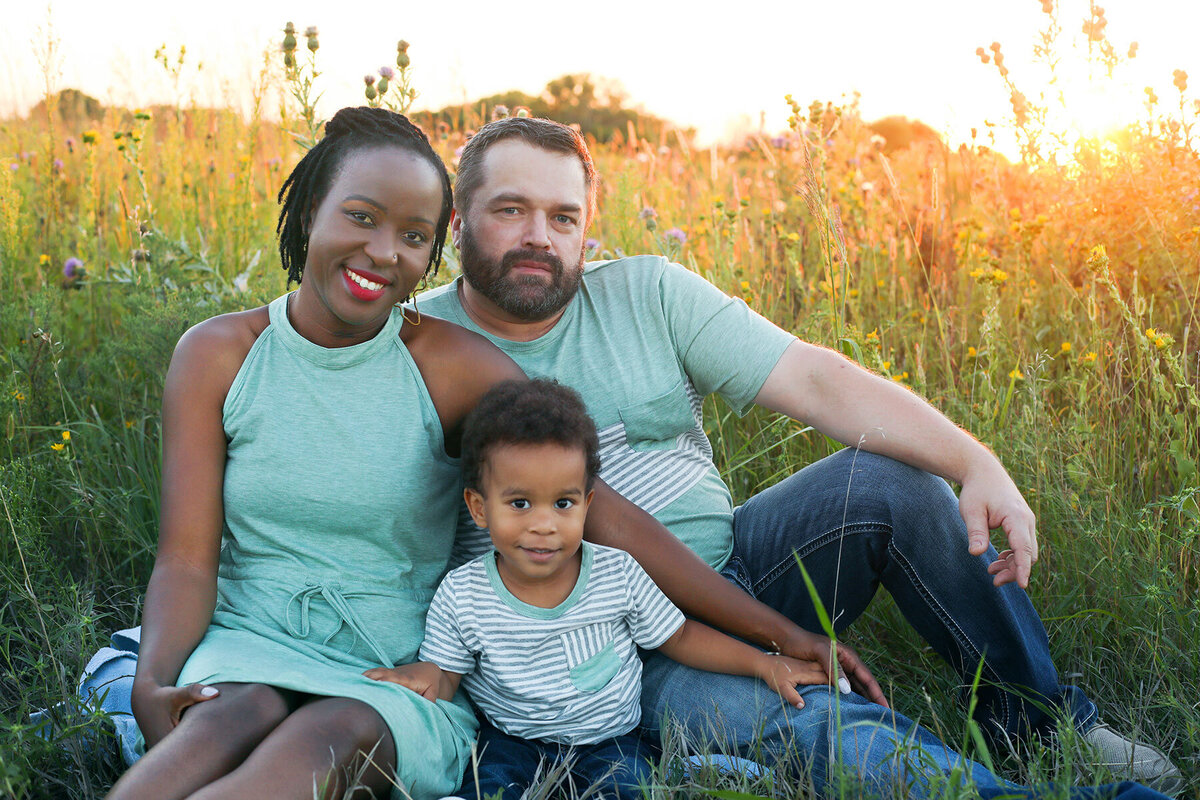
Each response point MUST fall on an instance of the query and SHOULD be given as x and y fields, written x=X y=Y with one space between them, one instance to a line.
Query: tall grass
x=1049 y=306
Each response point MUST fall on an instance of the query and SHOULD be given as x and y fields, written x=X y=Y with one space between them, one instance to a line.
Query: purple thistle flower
x=677 y=234
x=387 y=73
x=648 y=213
x=72 y=267
x=369 y=79
x=14 y=166
x=592 y=244
x=58 y=165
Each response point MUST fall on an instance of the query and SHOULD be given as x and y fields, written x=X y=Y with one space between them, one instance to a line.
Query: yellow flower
x=880 y=283
x=1089 y=357
x=972 y=352
x=17 y=395
x=999 y=275
x=43 y=260
x=1065 y=347
x=853 y=292
x=57 y=446
x=1160 y=342
x=746 y=286
x=128 y=423
x=1016 y=375
x=976 y=273
x=898 y=378
x=66 y=435
x=1014 y=227
x=873 y=336
x=1015 y=213
x=886 y=365
x=793 y=237
x=1151 y=333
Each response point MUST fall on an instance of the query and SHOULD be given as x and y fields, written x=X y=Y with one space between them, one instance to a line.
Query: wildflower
x=880 y=283
x=1016 y=375
x=369 y=79
x=17 y=395
x=745 y=286
x=650 y=216
x=43 y=260
x=89 y=136
x=793 y=237
x=499 y=112
x=1097 y=260
x=1065 y=347
x=972 y=352
x=1180 y=80
x=402 y=59
x=853 y=292
x=310 y=33
x=1089 y=357
x=128 y=423
x=289 y=38
x=57 y=446
x=70 y=142
x=676 y=234
x=66 y=436
x=387 y=73
x=1151 y=333
x=887 y=365
x=592 y=244
x=873 y=336
x=58 y=165
x=1160 y=342
x=72 y=268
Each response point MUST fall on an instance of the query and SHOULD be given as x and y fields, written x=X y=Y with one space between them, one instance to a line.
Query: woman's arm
x=182 y=589
x=702 y=647
x=699 y=591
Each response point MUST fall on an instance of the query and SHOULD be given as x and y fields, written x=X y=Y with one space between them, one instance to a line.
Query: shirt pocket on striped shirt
x=592 y=658
x=656 y=423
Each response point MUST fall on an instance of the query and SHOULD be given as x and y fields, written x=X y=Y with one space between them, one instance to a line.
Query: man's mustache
x=513 y=256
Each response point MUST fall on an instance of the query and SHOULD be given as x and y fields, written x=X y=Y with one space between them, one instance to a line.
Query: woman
x=309 y=498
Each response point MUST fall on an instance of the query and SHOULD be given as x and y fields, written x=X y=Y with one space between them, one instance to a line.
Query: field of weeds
x=1050 y=306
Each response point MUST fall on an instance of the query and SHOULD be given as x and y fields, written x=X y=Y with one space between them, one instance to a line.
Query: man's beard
x=527 y=297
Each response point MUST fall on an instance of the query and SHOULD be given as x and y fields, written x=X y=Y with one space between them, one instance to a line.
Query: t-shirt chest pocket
x=592 y=658
x=654 y=424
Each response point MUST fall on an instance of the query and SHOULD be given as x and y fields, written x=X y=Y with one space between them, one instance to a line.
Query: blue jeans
x=508 y=764
x=858 y=520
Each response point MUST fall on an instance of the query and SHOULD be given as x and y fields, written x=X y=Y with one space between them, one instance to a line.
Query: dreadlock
x=350 y=129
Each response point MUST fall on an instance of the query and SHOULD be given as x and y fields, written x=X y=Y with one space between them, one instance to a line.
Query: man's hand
x=158 y=709
x=815 y=649
x=989 y=499
x=423 y=677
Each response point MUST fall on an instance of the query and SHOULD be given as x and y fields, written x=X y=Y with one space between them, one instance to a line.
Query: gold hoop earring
x=400 y=306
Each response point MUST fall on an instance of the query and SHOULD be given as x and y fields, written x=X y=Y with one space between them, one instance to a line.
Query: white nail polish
x=209 y=691
x=843 y=685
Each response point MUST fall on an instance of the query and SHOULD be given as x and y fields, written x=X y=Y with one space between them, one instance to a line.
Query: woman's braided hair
x=350 y=129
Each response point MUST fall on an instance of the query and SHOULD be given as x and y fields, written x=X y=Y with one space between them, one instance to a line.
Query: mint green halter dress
x=340 y=511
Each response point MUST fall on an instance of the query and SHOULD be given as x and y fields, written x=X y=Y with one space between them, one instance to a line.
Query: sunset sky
x=716 y=70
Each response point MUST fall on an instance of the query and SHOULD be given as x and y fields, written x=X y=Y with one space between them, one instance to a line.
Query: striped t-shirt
x=568 y=674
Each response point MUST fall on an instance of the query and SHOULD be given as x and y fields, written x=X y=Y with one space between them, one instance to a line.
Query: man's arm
x=700 y=592
x=858 y=408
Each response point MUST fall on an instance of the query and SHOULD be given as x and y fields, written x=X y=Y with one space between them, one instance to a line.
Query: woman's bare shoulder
x=211 y=352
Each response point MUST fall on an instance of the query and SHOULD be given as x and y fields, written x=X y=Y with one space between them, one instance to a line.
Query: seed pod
x=382 y=85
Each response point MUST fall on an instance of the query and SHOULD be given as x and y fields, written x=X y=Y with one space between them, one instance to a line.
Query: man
x=643 y=341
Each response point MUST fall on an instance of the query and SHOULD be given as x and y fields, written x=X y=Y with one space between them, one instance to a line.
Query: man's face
x=521 y=241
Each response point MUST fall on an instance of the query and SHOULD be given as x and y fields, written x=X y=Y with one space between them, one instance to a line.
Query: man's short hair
x=527 y=412
x=544 y=133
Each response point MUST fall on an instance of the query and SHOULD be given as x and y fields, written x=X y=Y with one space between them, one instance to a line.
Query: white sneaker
x=1142 y=762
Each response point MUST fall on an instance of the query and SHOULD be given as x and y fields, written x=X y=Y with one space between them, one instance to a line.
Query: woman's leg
x=326 y=743
x=212 y=739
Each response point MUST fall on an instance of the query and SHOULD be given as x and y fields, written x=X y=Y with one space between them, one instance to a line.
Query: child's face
x=534 y=503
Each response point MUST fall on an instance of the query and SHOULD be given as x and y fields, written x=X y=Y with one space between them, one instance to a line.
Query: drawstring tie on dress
x=332 y=593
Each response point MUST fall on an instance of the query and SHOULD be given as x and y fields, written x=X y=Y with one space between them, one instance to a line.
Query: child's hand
x=784 y=674
x=423 y=677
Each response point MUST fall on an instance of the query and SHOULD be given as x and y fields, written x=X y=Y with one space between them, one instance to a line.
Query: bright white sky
x=715 y=70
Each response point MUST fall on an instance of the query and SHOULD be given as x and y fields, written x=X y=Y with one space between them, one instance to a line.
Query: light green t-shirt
x=643 y=342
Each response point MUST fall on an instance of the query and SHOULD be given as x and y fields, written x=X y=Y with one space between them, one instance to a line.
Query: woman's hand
x=158 y=709
x=808 y=646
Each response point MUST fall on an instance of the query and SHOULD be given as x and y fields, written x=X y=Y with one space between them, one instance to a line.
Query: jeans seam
x=812 y=546
x=952 y=626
